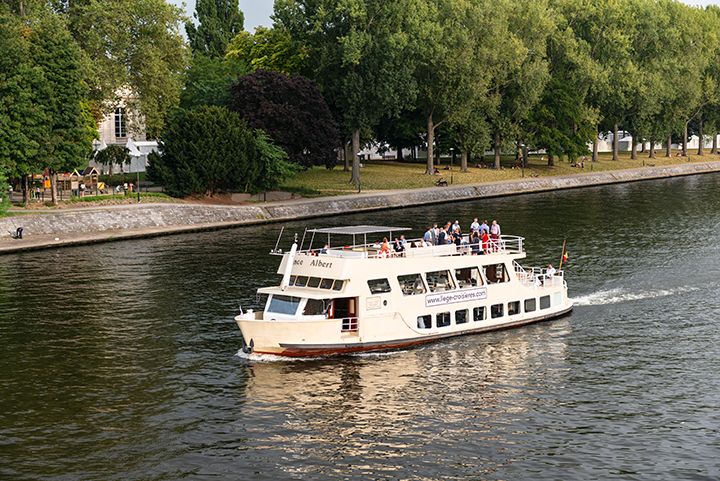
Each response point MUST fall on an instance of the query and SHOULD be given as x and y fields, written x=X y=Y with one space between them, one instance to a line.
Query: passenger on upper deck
x=456 y=226
x=441 y=237
x=324 y=250
x=474 y=226
x=435 y=232
x=484 y=227
x=428 y=236
x=485 y=242
x=495 y=235
x=398 y=246
x=457 y=237
x=475 y=243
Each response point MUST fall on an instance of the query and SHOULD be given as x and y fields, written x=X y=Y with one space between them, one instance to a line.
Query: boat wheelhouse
x=359 y=297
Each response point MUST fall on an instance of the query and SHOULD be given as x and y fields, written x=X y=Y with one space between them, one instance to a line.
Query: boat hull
x=294 y=349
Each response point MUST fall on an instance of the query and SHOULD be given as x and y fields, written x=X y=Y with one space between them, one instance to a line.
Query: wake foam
x=615 y=296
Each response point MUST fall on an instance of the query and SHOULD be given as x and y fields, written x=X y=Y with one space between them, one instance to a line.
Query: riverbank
x=84 y=226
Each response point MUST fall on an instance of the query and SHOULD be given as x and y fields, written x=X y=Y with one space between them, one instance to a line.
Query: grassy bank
x=392 y=175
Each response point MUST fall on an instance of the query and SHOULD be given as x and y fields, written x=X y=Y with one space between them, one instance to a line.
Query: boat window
x=495 y=273
x=439 y=281
x=461 y=316
x=424 y=322
x=326 y=284
x=283 y=304
x=442 y=319
x=496 y=310
x=411 y=284
x=468 y=277
x=513 y=308
x=301 y=281
x=338 y=285
x=378 y=286
x=314 y=282
x=292 y=281
x=317 y=307
x=545 y=302
x=530 y=305
x=479 y=314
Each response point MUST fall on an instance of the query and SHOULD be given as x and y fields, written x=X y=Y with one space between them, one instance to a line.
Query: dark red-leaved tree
x=292 y=111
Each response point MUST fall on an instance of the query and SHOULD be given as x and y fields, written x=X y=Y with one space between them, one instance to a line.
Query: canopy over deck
x=358 y=229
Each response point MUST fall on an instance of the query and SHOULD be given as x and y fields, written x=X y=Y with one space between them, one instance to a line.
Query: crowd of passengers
x=483 y=239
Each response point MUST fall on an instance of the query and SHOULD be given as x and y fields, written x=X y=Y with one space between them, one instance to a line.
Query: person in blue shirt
x=474 y=226
x=428 y=236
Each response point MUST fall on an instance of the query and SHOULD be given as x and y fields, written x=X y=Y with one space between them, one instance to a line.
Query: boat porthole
x=385 y=302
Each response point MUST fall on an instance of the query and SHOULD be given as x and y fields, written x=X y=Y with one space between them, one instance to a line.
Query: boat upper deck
x=509 y=245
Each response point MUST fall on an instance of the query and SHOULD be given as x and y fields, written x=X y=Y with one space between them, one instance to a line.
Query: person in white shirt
x=474 y=226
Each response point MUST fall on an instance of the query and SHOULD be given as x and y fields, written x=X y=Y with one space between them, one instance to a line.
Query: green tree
x=113 y=155
x=138 y=55
x=359 y=50
x=219 y=22
x=453 y=49
x=271 y=49
x=67 y=143
x=208 y=81
x=4 y=200
x=208 y=149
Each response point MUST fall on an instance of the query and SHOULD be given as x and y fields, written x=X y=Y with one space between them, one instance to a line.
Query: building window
x=120 y=123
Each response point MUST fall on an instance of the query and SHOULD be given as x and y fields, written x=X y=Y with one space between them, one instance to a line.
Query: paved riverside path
x=110 y=223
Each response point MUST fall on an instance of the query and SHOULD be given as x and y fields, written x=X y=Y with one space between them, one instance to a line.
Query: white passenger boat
x=355 y=297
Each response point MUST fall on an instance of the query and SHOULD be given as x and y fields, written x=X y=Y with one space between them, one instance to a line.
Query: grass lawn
x=378 y=175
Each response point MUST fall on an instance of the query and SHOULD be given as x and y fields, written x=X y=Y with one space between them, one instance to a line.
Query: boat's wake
x=615 y=296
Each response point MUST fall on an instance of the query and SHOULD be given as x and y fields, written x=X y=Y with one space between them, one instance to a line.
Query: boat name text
x=319 y=263
x=444 y=298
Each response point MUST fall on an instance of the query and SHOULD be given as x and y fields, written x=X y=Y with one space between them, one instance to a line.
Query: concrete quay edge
x=86 y=226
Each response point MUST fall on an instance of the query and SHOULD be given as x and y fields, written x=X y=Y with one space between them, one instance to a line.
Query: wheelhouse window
x=411 y=284
x=496 y=273
x=513 y=308
x=326 y=284
x=439 y=281
x=545 y=302
x=479 y=314
x=317 y=307
x=461 y=316
x=378 y=286
x=530 y=305
x=424 y=322
x=280 y=304
x=442 y=319
x=496 y=310
x=468 y=277
x=301 y=281
x=314 y=282
x=338 y=285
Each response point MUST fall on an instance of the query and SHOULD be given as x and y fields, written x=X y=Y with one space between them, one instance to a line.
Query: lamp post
x=452 y=162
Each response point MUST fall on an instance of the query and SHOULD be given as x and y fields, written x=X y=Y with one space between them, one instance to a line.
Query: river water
x=120 y=361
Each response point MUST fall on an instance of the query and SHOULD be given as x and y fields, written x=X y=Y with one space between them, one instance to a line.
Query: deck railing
x=505 y=245
x=538 y=277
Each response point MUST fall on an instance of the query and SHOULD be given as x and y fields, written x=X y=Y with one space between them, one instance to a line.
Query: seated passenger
x=324 y=250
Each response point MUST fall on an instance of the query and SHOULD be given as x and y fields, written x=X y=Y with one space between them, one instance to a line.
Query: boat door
x=346 y=309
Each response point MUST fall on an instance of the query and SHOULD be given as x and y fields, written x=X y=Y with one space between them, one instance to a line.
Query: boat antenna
x=562 y=256
x=278 y=241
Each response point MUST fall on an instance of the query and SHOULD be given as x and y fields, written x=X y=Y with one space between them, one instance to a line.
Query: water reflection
x=442 y=403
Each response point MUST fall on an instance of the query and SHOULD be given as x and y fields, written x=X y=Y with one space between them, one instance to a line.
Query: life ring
x=384 y=254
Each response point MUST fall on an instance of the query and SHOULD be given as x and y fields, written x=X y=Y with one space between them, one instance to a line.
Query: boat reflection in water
x=452 y=404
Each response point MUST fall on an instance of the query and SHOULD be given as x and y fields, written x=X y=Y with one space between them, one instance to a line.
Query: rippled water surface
x=120 y=361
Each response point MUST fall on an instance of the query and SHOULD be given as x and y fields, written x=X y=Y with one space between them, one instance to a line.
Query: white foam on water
x=615 y=296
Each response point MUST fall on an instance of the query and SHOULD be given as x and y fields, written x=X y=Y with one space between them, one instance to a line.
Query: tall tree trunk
x=25 y=189
x=53 y=187
x=642 y=147
x=714 y=143
x=496 y=149
x=525 y=156
x=463 y=161
x=684 y=146
x=348 y=155
x=668 y=149
x=355 y=179
x=551 y=160
x=652 y=150
x=595 y=145
x=399 y=155
x=633 y=149
x=616 y=143
x=429 y=170
x=700 y=134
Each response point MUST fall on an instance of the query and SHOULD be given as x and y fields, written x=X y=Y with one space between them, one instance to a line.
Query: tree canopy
x=293 y=112
x=210 y=149
x=219 y=22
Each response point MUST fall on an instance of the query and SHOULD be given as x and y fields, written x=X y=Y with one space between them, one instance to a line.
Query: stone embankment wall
x=172 y=216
